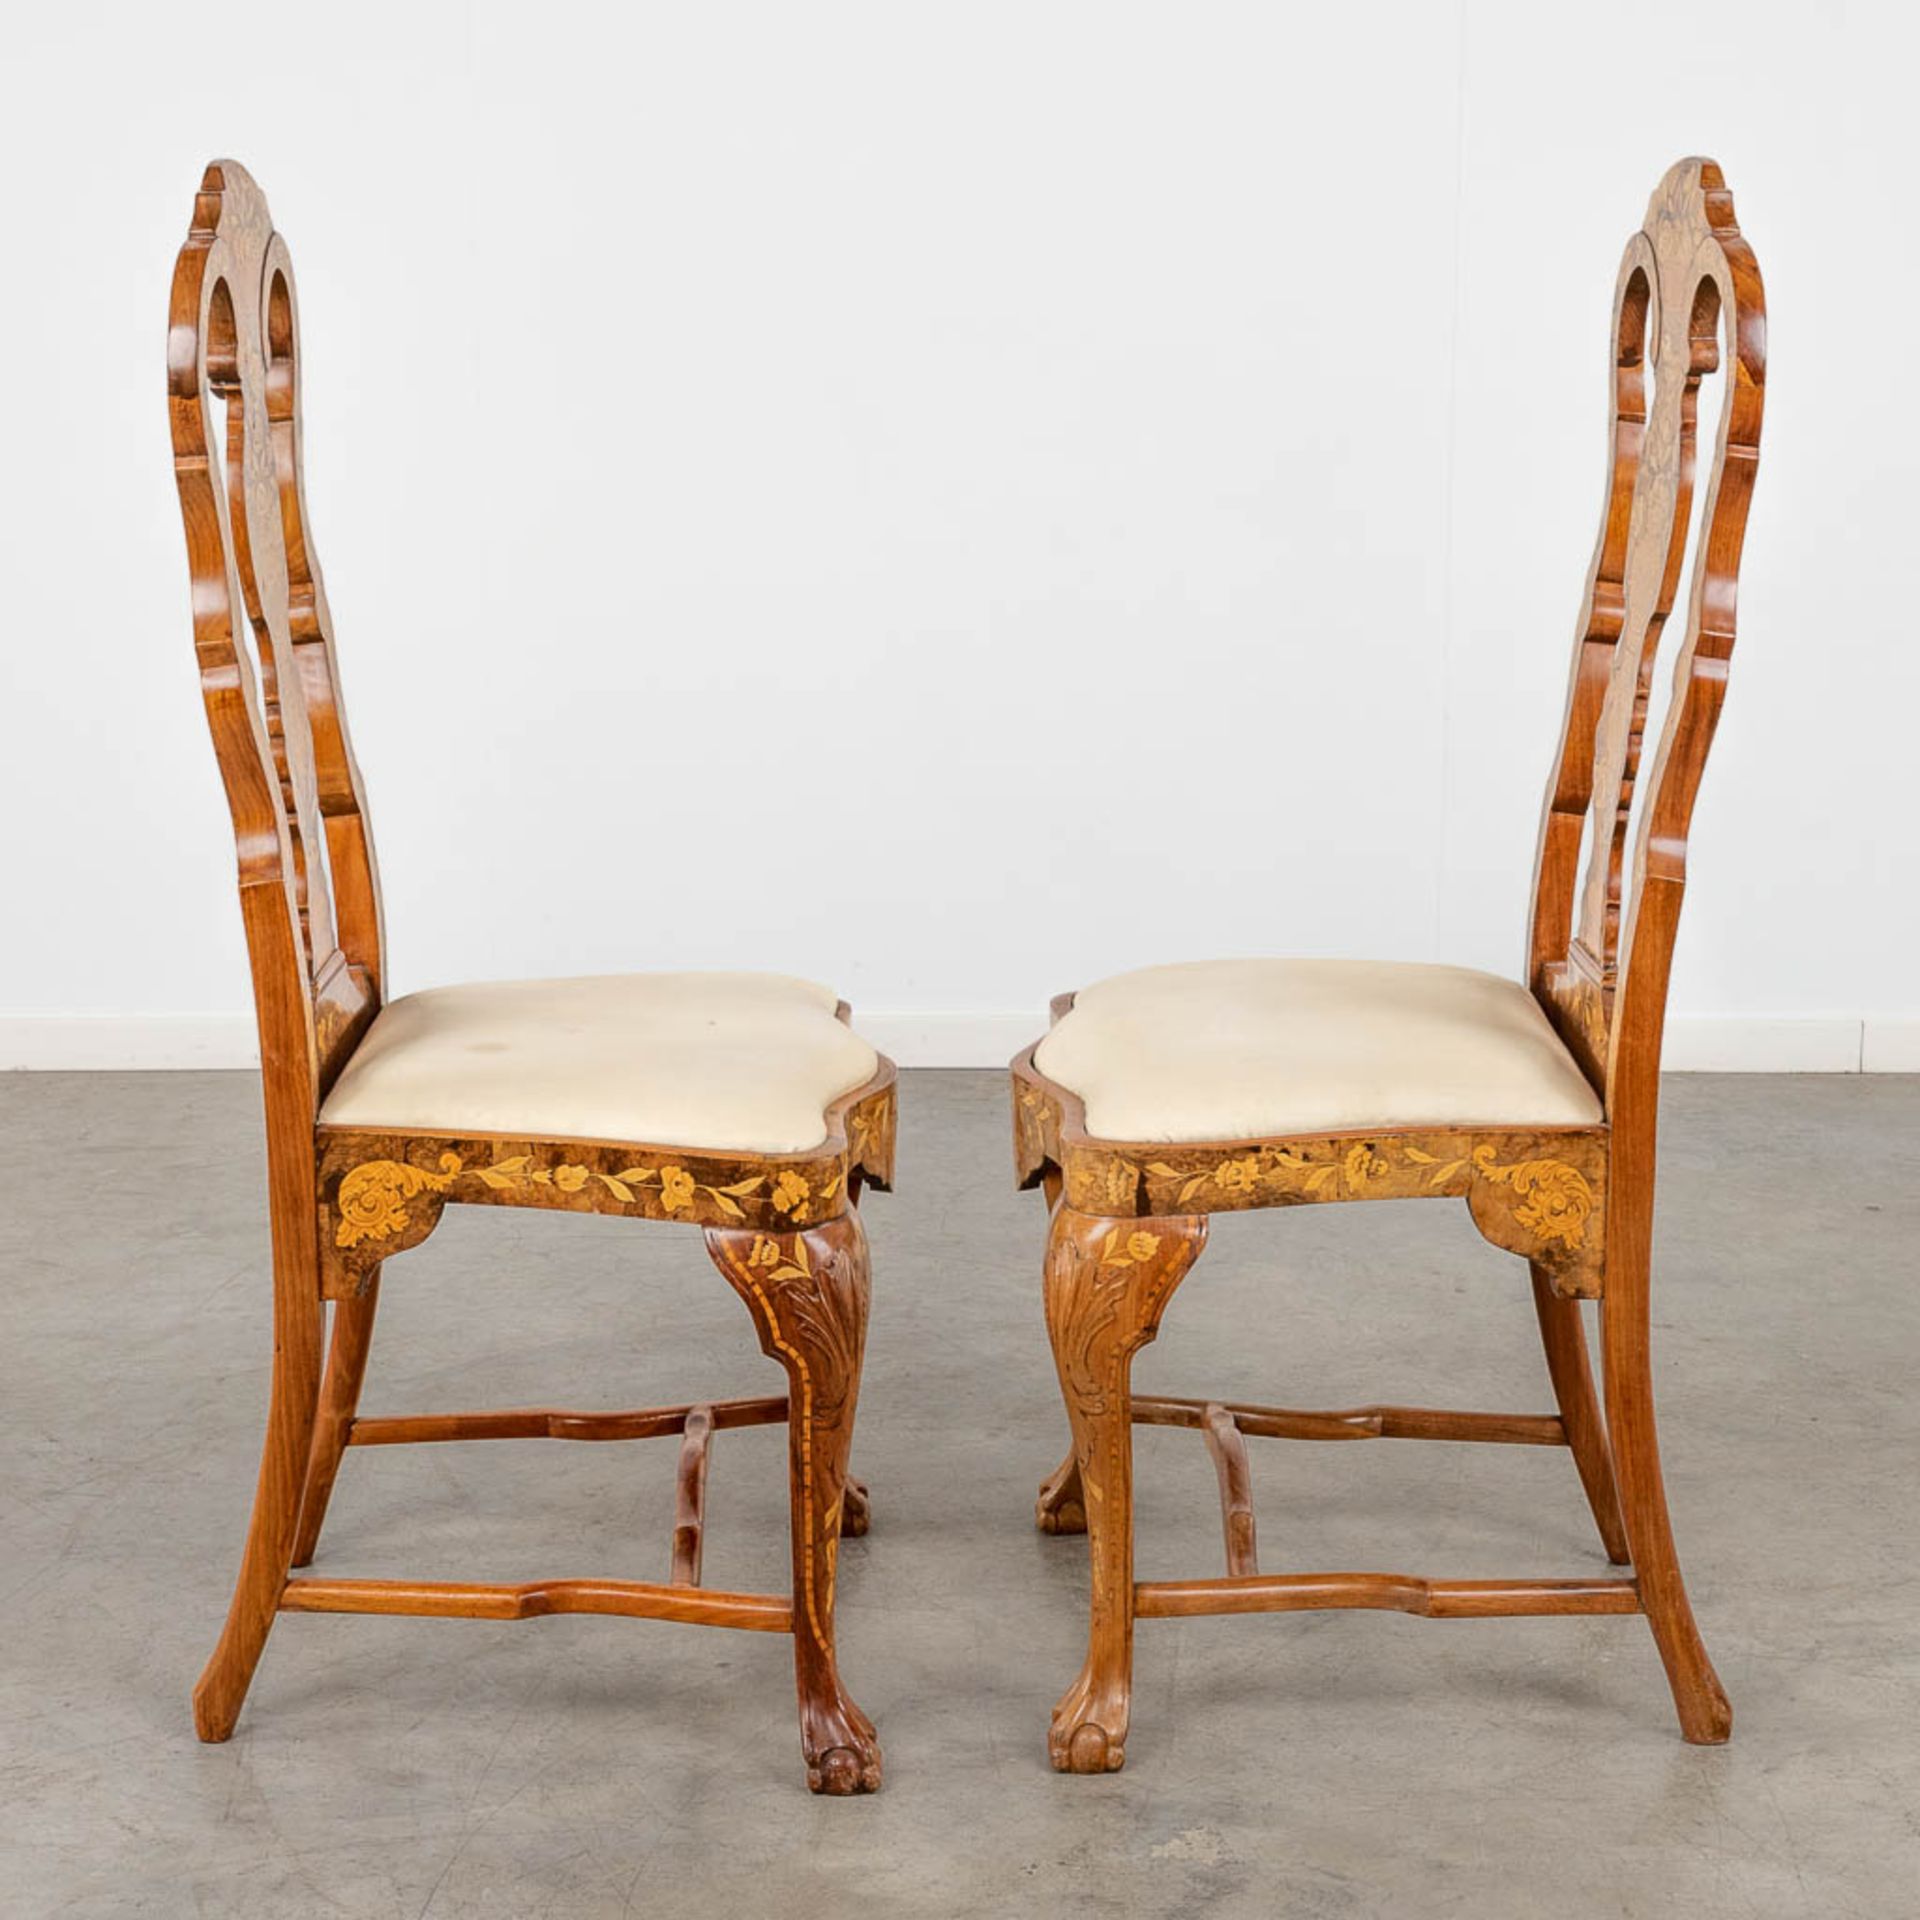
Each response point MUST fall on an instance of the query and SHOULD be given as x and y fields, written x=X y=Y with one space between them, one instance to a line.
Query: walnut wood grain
x=856 y=1509
x=1563 y=1338
x=1357 y=1423
x=690 y=1498
x=537 y=1599
x=1381 y=1593
x=347 y=1351
x=381 y=1193
x=1536 y=1191
x=344 y=1202
x=1230 y=1465
x=1106 y=1288
x=1061 y=1505
x=1576 y=1203
x=1687 y=278
x=808 y=1294
x=559 y=1423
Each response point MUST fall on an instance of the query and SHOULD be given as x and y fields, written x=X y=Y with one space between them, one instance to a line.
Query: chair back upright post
x=777 y=1213
x=1599 y=962
x=309 y=886
x=1572 y=1194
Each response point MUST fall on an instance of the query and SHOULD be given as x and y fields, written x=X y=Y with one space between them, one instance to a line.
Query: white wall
x=953 y=500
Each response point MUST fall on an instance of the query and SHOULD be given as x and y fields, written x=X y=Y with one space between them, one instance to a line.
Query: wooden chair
x=1162 y=1097
x=739 y=1104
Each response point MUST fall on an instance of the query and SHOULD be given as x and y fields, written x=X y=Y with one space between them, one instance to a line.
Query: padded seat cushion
x=1237 y=1049
x=728 y=1062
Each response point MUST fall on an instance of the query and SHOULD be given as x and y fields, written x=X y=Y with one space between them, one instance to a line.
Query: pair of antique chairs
x=746 y=1106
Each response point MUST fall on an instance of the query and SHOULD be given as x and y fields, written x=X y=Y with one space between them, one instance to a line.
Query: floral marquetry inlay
x=380 y=1202
x=372 y=1201
x=809 y=1292
x=1540 y=1193
x=373 y=1198
x=1557 y=1199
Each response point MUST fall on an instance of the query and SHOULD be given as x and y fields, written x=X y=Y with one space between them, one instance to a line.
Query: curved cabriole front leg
x=808 y=1296
x=1107 y=1283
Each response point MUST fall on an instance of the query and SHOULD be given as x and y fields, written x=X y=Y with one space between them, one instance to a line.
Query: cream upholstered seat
x=1240 y=1049
x=728 y=1062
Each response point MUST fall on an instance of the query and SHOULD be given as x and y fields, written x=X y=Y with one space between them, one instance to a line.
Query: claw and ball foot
x=1089 y=1729
x=841 y=1749
x=1107 y=1283
x=808 y=1295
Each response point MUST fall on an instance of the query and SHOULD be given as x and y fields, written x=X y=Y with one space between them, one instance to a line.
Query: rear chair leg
x=808 y=1296
x=1706 y=1719
x=268 y=1552
x=1564 y=1336
x=1107 y=1283
x=856 y=1509
x=1062 y=1505
x=347 y=1351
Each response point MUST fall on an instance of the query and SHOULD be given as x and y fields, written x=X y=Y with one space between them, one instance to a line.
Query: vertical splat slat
x=273 y=704
x=1686 y=278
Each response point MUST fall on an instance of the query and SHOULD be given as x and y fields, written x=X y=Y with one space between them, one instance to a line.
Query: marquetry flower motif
x=871 y=1127
x=790 y=1193
x=767 y=1254
x=1132 y=1251
x=372 y=1199
x=1362 y=1165
x=1555 y=1200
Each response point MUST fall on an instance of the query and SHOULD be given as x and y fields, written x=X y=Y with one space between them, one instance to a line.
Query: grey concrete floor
x=1315 y=1765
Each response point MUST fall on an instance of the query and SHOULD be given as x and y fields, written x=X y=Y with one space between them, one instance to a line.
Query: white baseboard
x=1890 y=1045
x=106 y=1042
x=1696 y=1043
x=951 y=1039
x=1737 y=1043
